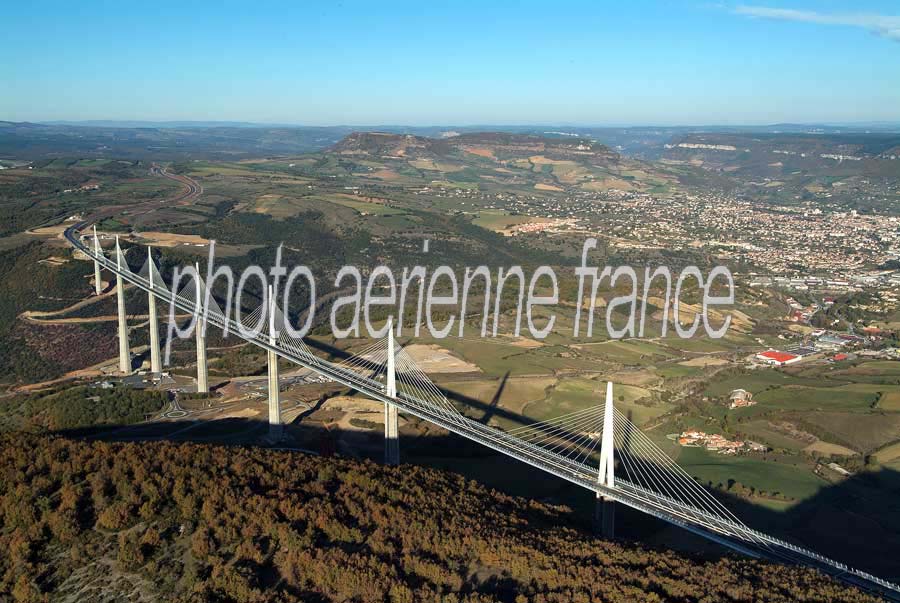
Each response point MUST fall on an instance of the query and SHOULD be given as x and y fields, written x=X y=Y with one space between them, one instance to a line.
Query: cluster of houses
x=849 y=282
x=717 y=443
x=801 y=313
x=551 y=225
x=740 y=398
x=90 y=186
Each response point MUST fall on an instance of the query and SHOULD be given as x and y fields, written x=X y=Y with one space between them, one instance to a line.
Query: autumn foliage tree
x=190 y=522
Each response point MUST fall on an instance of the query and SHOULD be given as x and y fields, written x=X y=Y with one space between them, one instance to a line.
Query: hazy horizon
x=261 y=124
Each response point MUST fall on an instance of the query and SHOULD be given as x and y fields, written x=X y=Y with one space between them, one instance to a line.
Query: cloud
x=883 y=25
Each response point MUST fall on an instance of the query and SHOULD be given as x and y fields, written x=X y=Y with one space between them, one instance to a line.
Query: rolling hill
x=496 y=159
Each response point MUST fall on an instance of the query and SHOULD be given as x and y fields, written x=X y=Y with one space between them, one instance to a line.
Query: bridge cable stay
x=189 y=293
x=414 y=384
x=648 y=467
x=257 y=324
x=369 y=363
x=255 y=321
x=152 y=276
x=574 y=438
x=283 y=337
x=121 y=263
x=411 y=381
x=297 y=346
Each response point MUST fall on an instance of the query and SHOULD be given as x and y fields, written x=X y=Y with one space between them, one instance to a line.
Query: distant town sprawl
x=809 y=244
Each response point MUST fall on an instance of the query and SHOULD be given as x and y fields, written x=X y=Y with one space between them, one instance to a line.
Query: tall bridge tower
x=275 y=425
x=605 y=510
x=155 y=364
x=200 y=332
x=124 y=351
x=391 y=419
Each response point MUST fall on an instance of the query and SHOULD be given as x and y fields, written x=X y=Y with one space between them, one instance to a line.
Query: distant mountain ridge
x=884 y=126
x=782 y=156
x=487 y=145
x=178 y=140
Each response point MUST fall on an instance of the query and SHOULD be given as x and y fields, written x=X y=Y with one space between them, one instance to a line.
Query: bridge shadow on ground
x=855 y=521
x=487 y=410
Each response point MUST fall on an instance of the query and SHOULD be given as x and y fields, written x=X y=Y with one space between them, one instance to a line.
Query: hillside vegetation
x=75 y=407
x=186 y=522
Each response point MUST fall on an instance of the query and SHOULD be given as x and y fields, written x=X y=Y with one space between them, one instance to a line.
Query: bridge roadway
x=731 y=534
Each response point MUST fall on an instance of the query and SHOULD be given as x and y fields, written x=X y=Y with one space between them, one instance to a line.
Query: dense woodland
x=188 y=522
x=78 y=407
x=36 y=287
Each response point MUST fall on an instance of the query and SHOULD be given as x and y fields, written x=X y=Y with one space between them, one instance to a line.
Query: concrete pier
x=275 y=426
x=155 y=364
x=200 y=332
x=202 y=370
x=391 y=419
x=605 y=517
x=124 y=350
x=605 y=511
x=98 y=284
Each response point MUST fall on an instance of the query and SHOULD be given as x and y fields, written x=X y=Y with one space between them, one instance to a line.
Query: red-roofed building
x=776 y=358
x=839 y=357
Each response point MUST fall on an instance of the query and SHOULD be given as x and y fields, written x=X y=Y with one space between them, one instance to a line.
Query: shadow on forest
x=856 y=521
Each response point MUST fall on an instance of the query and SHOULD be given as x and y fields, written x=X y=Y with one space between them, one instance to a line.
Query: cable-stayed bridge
x=597 y=448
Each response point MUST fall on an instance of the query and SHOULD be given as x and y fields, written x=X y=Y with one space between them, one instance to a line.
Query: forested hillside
x=185 y=522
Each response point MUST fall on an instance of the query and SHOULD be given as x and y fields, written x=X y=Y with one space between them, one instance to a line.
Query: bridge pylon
x=200 y=332
x=98 y=284
x=275 y=425
x=124 y=350
x=391 y=419
x=155 y=364
x=605 y=510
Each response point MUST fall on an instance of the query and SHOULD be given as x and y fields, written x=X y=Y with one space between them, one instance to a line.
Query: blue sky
x=432 y=62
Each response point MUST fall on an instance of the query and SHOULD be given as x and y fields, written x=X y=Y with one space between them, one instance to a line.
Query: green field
x=796 y=482
x=575 y=394
x=697 y=344
x=628 y=352
x=499 y=357
x=798 y=397
x=674 y=371
x=889 y=400
x=365 y=207
x=761 y=430
x=864 y=432
x=756 y=381
x=889 y=453
x=499 y=220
